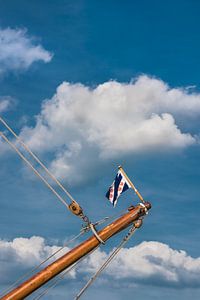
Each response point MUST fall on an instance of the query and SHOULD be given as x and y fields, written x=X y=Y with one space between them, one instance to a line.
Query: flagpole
x=131 y=184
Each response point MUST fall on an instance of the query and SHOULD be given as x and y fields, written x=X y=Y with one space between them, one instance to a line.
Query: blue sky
x=90 y=85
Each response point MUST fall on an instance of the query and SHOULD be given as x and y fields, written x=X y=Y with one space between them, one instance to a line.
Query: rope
x=114 y=216
x=62 y=276
x=43 y=262
x=110 y=258
x=34 y=170
x=38 y=160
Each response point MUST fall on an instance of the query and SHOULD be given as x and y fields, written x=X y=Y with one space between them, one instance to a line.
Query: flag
x=119 y=185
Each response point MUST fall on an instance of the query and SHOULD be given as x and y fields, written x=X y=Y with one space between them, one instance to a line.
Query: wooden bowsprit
x=77 y=253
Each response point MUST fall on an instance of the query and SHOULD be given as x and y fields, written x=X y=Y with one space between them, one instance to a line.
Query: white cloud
x=151 y=263
x=18 y=50
x=4 y=104
x=85 y=127
x=148 y=263
x=23 y=254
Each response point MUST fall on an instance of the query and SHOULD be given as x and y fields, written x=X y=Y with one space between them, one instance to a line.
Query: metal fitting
x=75 y=208
x=138 y=223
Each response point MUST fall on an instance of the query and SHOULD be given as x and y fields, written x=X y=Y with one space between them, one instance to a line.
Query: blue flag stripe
x=118 y=179
x=114 y=190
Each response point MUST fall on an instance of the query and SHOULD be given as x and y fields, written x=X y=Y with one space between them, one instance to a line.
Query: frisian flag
x=119 y=185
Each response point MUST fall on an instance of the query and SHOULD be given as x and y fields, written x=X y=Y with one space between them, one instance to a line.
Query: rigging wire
x=59 y=278
x=74 y=207
x=110 y=258
x=37 y=159
x=83 y=217
x=33 y=169
x=42 y=263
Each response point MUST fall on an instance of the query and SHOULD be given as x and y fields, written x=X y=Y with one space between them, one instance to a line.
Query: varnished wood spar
x=75 y=254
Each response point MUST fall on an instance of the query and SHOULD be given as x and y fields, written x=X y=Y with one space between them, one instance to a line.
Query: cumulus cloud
x=148 y=263
x=85 y=127
x=18 y=51
x=23 y=254
x=151 y=263
x=5 y=103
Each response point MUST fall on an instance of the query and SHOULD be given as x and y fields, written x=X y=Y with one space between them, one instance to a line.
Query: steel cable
x=37 y=159
x=110 y=258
